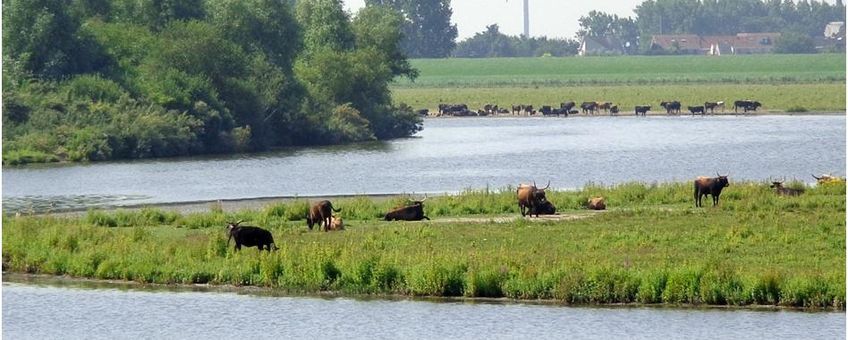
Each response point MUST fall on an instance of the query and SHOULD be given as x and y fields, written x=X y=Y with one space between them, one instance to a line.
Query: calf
x=250 y=237
x=709 y=186
x=784 y=191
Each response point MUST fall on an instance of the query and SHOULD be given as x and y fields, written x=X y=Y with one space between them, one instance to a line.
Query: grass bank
x=783 y=83
x=652 y=246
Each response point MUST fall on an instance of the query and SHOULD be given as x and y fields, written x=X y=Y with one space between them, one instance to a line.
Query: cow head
x=231 y=225
x=539 y=194
x=776 y=185
x=722 y=180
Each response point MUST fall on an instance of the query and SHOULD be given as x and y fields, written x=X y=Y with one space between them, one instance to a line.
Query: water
x=450 y=155
x=46 y=311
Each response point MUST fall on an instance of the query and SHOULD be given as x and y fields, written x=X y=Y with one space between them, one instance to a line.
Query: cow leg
x=238 y=246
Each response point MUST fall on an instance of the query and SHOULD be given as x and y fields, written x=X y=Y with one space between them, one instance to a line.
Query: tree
x=266 y=26
x=427 y=28
x=792 y=42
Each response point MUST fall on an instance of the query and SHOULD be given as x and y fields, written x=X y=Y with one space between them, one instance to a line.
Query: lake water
x=450 y=155
x=74 y=311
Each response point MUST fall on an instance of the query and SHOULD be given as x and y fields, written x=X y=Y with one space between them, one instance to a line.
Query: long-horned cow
x=250 y=237
x=784 y=191
x=531 y=199
x=321 y=213
x=709 y=186
x=412 y=212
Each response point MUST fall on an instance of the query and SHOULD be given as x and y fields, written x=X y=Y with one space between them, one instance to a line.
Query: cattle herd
x=532 y=200
x=587 y=108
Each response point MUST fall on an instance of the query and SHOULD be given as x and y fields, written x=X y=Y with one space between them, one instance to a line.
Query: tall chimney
x=527 y=19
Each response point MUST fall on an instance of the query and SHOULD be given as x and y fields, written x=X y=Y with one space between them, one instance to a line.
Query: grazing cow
x=545 y=208
x=567 y=106
x=413 y=212
x=671 y=107
x=603 y=106
x=423 y=112
x=589 y=107
x=596 y=203
x=250 y=237
x=337 y=224
x=530 y=197
x=613 y=110
x=696 y=109
x=321 y=213
x=643 y=110
x=709 y=186
x=746 y=105
x=784 y=191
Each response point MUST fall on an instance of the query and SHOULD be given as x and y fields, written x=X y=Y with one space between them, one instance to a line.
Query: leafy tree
x=492 y=43
x=793 y=42
x=600 y=24
x=427 y=28
x=266 y=26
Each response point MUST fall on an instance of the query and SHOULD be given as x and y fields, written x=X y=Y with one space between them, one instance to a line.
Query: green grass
x=652 y=246
x=782 y=83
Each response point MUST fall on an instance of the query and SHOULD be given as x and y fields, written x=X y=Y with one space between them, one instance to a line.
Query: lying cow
x=596 y=203
x=530 y=197
x=709 y=186
x=643 y=110
x=826 y=178
x=250 y=237
x=545 y=208
x=784 y=191
x=337 y=224
x=321 y=213
x=413 y=212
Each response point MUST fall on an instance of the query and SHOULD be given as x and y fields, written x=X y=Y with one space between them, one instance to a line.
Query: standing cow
x=250 y=237
x=531 y=199
x=709 y=186
x=321 y=213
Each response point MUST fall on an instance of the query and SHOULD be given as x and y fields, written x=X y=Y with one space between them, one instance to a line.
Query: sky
x=551 y=18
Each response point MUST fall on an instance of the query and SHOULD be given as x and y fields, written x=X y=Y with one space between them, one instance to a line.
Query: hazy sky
x=552 y=18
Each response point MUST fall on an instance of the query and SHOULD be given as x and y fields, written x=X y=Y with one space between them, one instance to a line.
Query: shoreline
x=653 y=114
x=65 y=281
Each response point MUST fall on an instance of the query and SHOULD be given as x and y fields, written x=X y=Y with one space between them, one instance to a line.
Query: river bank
x=651 y=247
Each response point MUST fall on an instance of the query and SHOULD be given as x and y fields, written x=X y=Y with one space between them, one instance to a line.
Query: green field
x=652 y=246
x=814 y=83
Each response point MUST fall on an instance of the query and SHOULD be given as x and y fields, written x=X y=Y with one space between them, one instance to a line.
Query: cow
x=826 y=178
x=596 y=203
x=671 y=107
x=528 y=109
x=516 y=109
x=711 y=106
x=250 y=237
x=603 y=106
x=413 y=212
x=589 y=107
x=567 y=106
x=784 y=191
x=490 y=108
x=613 y=110
x=337 y=224
x=545 y=208
x=423 y=112
x=573 y=112
x=709 y=186
x=321 y=213
x=643 y=110
x=746 y=105
x=696 y=109
x=546 y=110
x=560 y=111
x=529 y=197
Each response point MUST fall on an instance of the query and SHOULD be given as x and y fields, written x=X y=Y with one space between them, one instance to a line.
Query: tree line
x=111 y=79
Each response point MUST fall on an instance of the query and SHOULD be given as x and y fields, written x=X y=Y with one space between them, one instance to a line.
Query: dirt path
x=512 y=218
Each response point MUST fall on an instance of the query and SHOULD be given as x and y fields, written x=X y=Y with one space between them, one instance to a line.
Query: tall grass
x=652 y=246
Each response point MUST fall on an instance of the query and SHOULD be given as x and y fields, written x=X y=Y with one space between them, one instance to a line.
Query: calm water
x=62 y=312
x=453 y=154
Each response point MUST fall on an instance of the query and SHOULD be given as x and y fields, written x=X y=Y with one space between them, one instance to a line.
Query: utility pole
x=527 y=19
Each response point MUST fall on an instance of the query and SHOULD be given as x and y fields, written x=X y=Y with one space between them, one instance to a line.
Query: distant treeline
x=108 y=79
x=798 y=21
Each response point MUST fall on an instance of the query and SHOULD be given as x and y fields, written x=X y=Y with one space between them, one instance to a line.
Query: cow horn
x=425 y=198
x=548 y=186
x=239 y=222
x=817 y=178
x=534 y=183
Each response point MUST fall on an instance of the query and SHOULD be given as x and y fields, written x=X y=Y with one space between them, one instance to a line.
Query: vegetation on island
x=118 y=79
x=652 y=247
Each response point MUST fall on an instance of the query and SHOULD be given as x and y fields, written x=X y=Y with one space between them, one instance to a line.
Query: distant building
x=742 y=43
x=835 y=30
x=600 y=46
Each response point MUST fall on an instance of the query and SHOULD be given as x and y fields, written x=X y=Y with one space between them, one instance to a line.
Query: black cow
x=567 y=106
x=671 y=107
x=696 y=109
x=516 y=109
x=543 y=208
x=709 y=186
x=746 y=105
x=784 y=191
x=589 y=107
x=413 y=212
x=613 y=110
x=643 y=110
x=250 y=237
x=546 y=110
x=712 y=106
x=528 y=109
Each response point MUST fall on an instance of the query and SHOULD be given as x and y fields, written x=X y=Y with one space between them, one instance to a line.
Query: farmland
x=783 y=83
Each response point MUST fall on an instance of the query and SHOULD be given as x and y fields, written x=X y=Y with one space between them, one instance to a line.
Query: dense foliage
x=427 y=28
x=110 y=79
x=492 y=43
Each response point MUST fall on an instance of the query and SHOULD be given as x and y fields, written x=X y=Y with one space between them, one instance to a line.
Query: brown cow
x=709 y=186
x=337 y=224
x=784 y=191
x=603 y=106
x=321 y=213
x=826 y=178
x=529 y=197
x=596 y=203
